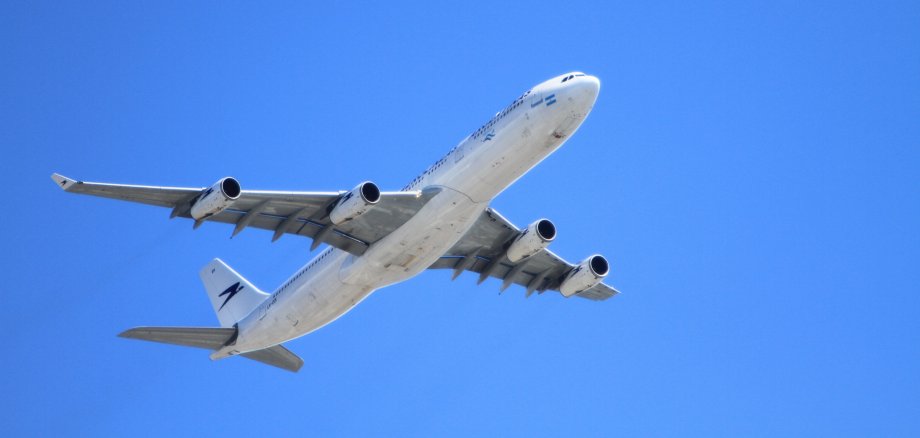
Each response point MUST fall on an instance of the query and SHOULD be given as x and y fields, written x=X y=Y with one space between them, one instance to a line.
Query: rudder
x=232 y=296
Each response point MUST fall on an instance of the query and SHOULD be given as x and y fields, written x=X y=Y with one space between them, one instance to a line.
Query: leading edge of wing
x=77 y=186
x=72 y=185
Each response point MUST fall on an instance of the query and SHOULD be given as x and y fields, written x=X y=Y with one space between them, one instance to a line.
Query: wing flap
x=599 y=292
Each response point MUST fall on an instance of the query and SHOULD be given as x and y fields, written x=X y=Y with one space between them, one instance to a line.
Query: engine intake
x=585 y=275
x=355 y=203
x=532 y=240
x=216 y=198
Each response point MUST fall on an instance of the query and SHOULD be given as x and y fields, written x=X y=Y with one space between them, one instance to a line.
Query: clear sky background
x=750 y=169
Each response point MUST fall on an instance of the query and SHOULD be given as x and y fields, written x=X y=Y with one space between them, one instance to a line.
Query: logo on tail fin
x=230 y=292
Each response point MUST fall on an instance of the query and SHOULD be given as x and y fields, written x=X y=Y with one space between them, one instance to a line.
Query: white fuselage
x=469 y=176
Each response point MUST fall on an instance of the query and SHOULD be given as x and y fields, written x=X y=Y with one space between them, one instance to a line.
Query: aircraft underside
x=440 y=220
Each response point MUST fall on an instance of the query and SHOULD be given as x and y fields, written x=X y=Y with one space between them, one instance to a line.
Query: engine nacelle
x=534 y=238
x=584 y=276
x=355 y=203
x=216 y=198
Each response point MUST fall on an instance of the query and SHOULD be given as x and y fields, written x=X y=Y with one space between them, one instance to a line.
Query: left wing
x=301 y=213
x=482 y=250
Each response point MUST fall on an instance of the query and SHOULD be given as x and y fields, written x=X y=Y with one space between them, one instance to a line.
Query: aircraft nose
x=590 y=86
x=584 y=90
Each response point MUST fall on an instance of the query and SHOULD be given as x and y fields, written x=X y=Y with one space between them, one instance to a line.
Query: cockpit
x=572 y=76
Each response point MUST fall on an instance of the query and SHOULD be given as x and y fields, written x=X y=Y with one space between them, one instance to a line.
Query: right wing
x=301 y=213
x=482 y=250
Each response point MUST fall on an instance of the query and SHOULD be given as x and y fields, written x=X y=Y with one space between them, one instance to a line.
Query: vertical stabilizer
x=232 y=296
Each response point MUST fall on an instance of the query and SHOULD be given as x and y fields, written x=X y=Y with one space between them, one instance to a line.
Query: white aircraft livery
x=440 y=220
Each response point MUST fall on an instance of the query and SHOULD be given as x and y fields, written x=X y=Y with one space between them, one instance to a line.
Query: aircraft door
x=461 y=151
x=536 y=99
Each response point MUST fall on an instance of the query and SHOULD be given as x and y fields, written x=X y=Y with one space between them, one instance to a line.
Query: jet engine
x=585 y=275
x=534 y=238
x=355 y=203
x=216 y=198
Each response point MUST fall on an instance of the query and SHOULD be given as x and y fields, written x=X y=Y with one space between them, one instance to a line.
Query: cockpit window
x=569 y=77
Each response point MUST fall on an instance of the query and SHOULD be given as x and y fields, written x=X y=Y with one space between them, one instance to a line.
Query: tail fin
x=212 y=339
x=232 y=296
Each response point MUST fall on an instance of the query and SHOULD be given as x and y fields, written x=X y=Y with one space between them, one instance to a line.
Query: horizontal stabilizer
x=211 y=338
x=214 y=338
x=276 y=356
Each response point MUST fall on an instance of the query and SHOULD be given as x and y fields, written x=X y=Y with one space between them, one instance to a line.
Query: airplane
x=439 y=220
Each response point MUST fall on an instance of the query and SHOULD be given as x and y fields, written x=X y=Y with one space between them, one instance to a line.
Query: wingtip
x=127 y=333
x=63 y=181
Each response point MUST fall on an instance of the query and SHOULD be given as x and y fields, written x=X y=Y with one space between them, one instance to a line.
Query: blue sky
x=750 y=169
